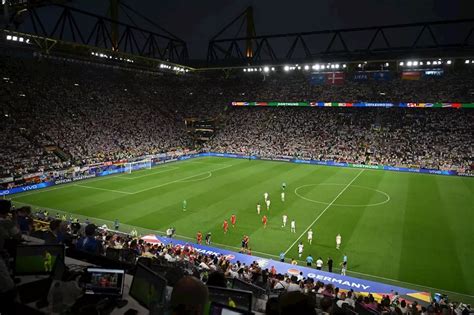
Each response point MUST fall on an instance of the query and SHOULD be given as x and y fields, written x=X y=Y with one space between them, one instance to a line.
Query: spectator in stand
x=8 y=228
x=189 y=296
x=89 y=243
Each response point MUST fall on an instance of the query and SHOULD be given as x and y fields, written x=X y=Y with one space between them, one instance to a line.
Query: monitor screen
x=219 y=309
x=37 y=259
x=239 y=299
x=101 y=281
x=148 y=288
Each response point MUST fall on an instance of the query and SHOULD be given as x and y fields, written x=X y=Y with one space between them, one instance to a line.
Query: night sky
x=196 y=21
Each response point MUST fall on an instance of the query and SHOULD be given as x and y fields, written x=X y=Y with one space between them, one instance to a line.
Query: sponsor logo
x=83 y=177
x=32 y=187
x=62 y=181
x=327 y=279
x=4 y=192
x=229 y=257
x=365 y=166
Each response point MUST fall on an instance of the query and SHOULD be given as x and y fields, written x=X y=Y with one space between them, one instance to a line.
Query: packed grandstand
x=62 y=118
x=59 y=114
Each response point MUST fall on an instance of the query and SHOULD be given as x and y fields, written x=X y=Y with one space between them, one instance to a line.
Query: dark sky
x=196 y=21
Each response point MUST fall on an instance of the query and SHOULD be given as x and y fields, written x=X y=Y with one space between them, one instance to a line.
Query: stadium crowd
x=57 y=114
x=277 y=293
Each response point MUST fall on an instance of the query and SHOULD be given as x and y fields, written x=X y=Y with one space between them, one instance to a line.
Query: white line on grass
x=104 y=189
x=325 y=209
x=37 y=191
x=167 y=169
x=180 y=180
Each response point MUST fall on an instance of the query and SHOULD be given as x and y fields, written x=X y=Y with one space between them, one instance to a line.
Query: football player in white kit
x=265 y=196
x=258 y=208
x=310 y=236
x=293 y=226
x=338 y=241
x=300 y=249
x=285 y=218
x=282 y=196
x=268 y=204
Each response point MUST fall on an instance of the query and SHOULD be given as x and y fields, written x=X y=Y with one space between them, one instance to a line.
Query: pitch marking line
x=325 y=209
x=209 y=174
x=37 y=191
x=167 y=169
x=180 y=180
x=387 y=196
x=104 y=189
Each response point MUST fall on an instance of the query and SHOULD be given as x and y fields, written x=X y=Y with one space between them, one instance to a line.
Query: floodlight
x=9 y=37
x=286 y=68
x=448 y=62
x=401 y=63
x=466 y=61
x=409 y=63
x=266 y=69
x=344 y=66
x=306 y=67
x=415 y=63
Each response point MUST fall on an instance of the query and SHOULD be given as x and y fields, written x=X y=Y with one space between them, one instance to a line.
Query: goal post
x=137 y=165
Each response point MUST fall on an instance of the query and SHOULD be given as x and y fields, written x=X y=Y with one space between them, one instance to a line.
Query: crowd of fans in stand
x=397 y=137
x=92 y=114
x=285 y=293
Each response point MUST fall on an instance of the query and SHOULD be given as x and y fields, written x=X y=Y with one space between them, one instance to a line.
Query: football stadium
x=305 y=171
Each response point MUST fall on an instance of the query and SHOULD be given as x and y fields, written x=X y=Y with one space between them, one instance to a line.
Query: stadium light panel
x=337 y=66
x=428 y=63
x=306 y=67
x=14 y=38
x=387 y=64
x=401 y=63
x=314 y=67
x=21 y=39
x=266 y=69
x=273 y=68
x=421 y=63
x=448 y=62
x=466 y=61
x=245 y=70
x=286 y=68
x=359 y=65
x=299 y=68
x=344 y=66
x=409 y=63
x=322 y=67
x=9 y=37
x=415 y=63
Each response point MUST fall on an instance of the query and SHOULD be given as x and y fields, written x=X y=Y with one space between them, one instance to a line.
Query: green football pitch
x=411 y=230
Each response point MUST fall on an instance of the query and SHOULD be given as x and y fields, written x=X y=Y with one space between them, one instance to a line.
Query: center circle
x=386 y=196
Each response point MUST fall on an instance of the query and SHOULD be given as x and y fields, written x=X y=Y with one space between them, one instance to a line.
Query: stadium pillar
x=250 y=32
x=114 y=15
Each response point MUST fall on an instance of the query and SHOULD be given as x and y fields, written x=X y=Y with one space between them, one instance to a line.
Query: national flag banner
x=317 y=79
x=382 y=75
x=411 y=75
x=361 y=76
x=335 y=78
x=327 y=104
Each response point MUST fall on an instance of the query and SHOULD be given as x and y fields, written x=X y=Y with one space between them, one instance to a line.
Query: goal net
x=137 y=165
